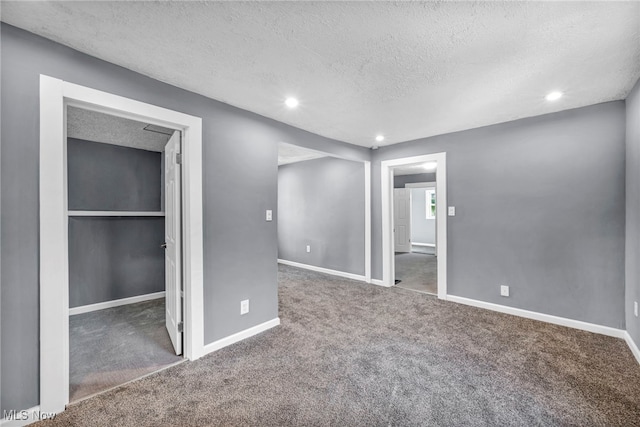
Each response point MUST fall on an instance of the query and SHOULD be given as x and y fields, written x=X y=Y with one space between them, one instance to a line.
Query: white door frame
x=388 y=259
x=55 y=96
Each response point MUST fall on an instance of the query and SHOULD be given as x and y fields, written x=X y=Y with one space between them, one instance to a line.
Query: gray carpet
x=352 y=354
x=417 y=271
x=112 y=346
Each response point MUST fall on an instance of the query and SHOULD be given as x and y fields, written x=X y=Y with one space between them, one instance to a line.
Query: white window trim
x=427 y=206
x=55 y=96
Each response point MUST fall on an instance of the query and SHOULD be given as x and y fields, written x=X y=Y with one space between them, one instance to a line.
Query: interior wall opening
x=415 y=218
x=396 y=216
x=124 y=221
x=323 y=212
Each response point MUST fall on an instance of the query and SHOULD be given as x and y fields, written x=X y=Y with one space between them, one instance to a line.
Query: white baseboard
x=115 y=303
x=632 y=345
x=378 y=282
x=323 y=270
x=562 y=321
x=232 y=339
x=430 y=245
x=25 y=417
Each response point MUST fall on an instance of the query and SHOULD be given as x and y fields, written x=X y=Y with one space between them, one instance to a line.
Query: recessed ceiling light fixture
x=379 y=138
x=430 y=166
x=553 y=96
x=291 y=102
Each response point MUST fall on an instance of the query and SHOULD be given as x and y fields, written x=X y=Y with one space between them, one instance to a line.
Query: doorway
x=124 y=256
x=390 y=235
x=55 y=96
x=415 y=219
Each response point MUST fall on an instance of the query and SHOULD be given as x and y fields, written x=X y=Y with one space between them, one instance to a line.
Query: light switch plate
x=269 y=215
x=452 y=211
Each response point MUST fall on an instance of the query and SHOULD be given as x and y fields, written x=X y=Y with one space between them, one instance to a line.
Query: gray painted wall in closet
x=113 y=257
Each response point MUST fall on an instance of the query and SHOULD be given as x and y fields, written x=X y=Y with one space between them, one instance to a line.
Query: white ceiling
x=288 y=153
x=404 y=69
x=99 y=127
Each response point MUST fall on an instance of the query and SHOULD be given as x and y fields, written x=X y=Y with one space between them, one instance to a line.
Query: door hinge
x=180 y=326
x=179 y=158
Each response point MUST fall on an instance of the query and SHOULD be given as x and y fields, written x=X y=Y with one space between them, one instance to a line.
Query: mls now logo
x=24 y=415
x=13 y=415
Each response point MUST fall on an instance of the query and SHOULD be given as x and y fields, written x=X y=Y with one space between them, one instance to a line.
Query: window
x=431 y=203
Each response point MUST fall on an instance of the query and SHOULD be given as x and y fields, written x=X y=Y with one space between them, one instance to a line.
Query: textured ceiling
x=404 y=69
x=99 y=127
x=288 y=153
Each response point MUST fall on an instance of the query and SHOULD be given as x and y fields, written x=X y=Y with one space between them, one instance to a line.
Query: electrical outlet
x=244 y=306
x=635 y=308
x=308 y=248
x=452 y=211
x=504 y=291
x=269 y=215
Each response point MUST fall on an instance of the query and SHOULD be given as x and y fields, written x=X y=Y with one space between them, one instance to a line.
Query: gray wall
x=632 y=292
x=539 y=207
x=423 y=230
x=105 y=177
x=321 y=203
x=235 y=197
x=400 y=180
x=113 y=257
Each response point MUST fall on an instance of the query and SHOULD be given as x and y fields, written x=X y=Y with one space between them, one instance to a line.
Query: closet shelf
x=114 y=213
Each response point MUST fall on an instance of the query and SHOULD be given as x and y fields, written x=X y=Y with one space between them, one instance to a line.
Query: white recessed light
x=291 y=102
x=430 y=166
x=379 y=138
x=553 y=96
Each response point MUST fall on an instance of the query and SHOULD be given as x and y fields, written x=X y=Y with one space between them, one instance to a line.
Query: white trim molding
x=632 y=345
x=113 y=213
x=367 y=222
x=386 y=176
x=431 y=245
x=25 y=417
x=430 y=184
x=55 y=96
x=378 y=282
x=114 y=303
x=239 y=336
x=324 y=270
x=548 y=318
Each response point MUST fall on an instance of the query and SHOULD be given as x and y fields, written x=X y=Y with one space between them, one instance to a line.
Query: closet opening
x=124 y=205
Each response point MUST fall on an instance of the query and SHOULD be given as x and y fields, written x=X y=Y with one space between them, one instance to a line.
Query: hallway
x=417 y=272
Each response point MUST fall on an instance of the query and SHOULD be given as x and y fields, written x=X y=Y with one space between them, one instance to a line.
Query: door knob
x=163 y=246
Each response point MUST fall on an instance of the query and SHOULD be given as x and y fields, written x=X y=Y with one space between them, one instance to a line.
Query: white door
x=402 y=219
x=173 y=245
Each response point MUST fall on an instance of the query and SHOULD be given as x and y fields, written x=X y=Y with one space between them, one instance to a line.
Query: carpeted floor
x=417 y=271
x=352 y=354
x=112 y=346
